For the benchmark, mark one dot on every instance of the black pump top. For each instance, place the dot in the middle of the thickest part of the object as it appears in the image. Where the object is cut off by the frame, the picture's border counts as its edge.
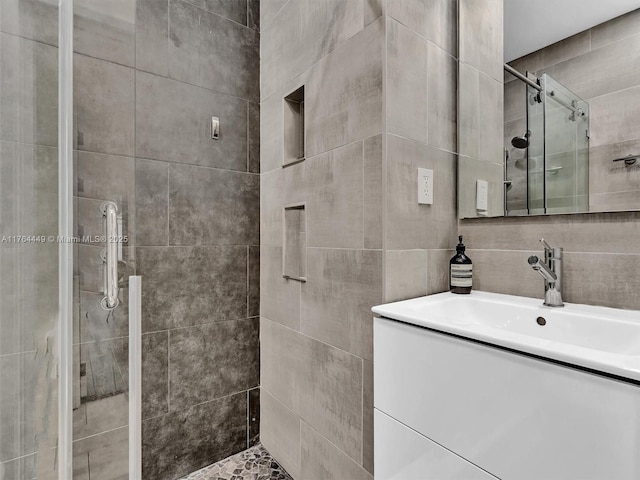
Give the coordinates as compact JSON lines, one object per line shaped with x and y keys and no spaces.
{"x":460,"y":247}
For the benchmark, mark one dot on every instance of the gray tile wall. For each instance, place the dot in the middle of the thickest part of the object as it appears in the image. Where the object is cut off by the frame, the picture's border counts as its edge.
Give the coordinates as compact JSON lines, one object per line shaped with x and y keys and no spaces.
{"x":368,"y":240}
{"x":601,"y":253}
{"x":601,"y":66}
{"x":198,"y":238}
{"x":316,"y":336}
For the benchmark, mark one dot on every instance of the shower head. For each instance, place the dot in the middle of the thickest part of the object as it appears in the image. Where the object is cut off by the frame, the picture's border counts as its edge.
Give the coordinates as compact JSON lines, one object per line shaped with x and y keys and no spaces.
{"x":521,"y":142}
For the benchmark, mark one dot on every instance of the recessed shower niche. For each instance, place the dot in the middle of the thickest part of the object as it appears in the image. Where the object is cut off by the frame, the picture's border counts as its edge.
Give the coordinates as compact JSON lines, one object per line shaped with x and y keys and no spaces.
{"x":294,"y":127}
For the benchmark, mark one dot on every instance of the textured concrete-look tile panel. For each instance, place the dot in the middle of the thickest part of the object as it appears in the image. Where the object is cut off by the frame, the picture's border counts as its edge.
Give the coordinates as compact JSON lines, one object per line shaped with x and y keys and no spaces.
{"x":212,"y":285}
{"x":373,"y":198}
{"x":367,"y":416}
{"x":589,"y":75}
{"x":405,"y":274}
{"x":105,"y":30}
{"x":279,"y":297}
{"x":410,"y":225}
{"x":211,"y":51}
{"x":105,"y":177}
{"x":407,"y":109}
{"x":232,"y":347}
{"x":342,"y":287}
{"x":320,"y":383}
{"x":155,"y":374}
{"x":438,"y":270}
{"x":212,"y":207}
{"x":615,"y":30}
{"x":19,"y":377}
{"x":253,"y":432}
{"x":180,"y":442}
{"x":344,"y":92}
{"x":481,"y":122}
{"x":280,"y":433}
{"x":306,"y":31}
{"x":173,"y":123}
{"x":279,"y":189}
{"x":481,"y":36}
{"x":152,"y":36}
{"x":442,"y":89}
{"x":576,"y":233}
{"x":253,"y":282}
{"x":236,"y":10}
{"x":152,"y":202}
{"x":436,"y":20}
{"x":254,"y":137}
{"x":614,"y":117}
{"x":104,"y":106}
{"x":335,"y":198}
{"x":321,"y":459}
{"x":490,"y":274}
{"x":31,"y":19}
{"x":29,"y":99}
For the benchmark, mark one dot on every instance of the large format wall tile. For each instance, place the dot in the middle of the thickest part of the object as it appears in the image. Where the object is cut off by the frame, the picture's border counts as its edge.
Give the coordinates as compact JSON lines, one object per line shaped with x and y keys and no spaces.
{"x":208,"y":50}
{"x":407,"y":110}
{"x":322,"y":384}
{"x":104,"y":106}
{"x":335,"y":198}
{"x":181,"y":442}
{"x":278,"y":189}
{"x":211,"y":207}
{"x":105,"y":30}
{"x":442,"y":89}
{"x":481,"y":39}
{"x":29,"y":98}
{"x":173,"y":123}
{"x":232,"y":347}
{"x":155,"y":374}
{"x":280,"y":433}
{"x":319,"y":458}
{"x":152,"y":36}
{"x":212,"y":285}
{"x":152,"y":202}
{"x":373,"y":198}
{"x":236,"y":10}
{"x":342,"y":287}
{"x":306,"y":31}
{"x":615,"y":30}
{"x":344,"y":92}
{"x":614,"y":117}
{"x":405,"y":274}
{"x":410,"y":225}
{"x":279,"y":296}
{"x":31,"y":19}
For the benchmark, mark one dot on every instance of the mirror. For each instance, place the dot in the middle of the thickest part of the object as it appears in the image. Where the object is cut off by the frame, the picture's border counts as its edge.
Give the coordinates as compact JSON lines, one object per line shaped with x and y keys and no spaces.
{"x":548,"y":107}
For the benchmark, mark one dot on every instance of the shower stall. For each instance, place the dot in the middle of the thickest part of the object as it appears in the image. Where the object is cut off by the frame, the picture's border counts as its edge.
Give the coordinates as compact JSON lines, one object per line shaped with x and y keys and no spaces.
{"x":547,"y":167}
{"x":116,"y":197}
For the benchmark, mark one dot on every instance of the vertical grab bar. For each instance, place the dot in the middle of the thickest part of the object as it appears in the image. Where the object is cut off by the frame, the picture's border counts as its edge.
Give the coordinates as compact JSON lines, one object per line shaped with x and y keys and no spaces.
{"x":110,"y":213}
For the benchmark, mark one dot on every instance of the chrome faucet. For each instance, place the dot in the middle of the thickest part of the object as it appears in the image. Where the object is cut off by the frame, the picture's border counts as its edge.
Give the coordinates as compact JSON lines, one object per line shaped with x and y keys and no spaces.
{"x":551,"y":271}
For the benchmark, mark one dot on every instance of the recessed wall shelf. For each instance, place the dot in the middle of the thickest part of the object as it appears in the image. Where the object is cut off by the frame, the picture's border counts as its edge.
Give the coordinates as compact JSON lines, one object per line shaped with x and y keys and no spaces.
{"x":294,"y":127}
{"x":295,"y":243}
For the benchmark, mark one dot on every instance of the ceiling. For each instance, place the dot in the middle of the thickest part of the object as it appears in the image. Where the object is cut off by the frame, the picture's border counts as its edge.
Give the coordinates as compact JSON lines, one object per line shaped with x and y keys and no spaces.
{"x":530,"y":25}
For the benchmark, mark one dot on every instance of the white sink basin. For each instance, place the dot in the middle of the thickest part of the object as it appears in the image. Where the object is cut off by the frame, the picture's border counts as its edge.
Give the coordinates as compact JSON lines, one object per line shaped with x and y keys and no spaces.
{"x":598,"y":338}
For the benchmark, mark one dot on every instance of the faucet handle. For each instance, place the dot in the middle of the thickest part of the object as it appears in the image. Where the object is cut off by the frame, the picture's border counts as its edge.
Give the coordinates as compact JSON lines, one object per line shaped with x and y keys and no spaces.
{"x":545,"y":244}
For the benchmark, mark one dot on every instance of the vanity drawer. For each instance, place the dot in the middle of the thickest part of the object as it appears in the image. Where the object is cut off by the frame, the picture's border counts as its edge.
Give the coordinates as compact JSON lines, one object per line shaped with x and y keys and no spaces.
{"x":512,"y":415}
{"x":403,"y":454}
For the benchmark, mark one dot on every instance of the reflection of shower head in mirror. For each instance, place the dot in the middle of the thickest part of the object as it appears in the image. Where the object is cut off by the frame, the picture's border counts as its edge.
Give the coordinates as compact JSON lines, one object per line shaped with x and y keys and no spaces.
{"x":521,"y":142}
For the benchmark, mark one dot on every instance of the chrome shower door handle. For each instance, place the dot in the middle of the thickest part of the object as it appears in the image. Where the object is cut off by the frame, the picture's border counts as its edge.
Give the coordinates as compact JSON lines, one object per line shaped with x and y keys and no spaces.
{"x":111,"y":254}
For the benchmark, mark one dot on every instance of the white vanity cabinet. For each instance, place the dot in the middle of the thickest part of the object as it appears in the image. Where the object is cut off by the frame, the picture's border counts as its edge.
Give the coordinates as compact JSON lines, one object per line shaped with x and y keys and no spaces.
{"x":450,"y":408}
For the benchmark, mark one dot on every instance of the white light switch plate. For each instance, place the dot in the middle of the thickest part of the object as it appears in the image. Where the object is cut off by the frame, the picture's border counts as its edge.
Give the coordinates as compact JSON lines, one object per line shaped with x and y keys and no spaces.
{"x":425,"y":186}
{"x":482,"y":194}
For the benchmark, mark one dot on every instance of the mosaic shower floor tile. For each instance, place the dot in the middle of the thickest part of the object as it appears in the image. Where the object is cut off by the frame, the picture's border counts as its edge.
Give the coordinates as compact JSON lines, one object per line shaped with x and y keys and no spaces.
{"x":255,"y":463}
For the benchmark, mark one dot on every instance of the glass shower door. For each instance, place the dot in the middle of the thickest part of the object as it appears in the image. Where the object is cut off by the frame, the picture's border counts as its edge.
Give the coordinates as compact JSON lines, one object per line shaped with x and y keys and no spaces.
{"x":29,"y":338}
{"x":566,"y":149}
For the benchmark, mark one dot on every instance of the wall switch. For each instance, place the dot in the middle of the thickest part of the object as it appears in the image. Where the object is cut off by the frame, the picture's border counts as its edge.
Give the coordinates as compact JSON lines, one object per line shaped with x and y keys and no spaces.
{"x":425,"y":186}
{"x":482,"y":195}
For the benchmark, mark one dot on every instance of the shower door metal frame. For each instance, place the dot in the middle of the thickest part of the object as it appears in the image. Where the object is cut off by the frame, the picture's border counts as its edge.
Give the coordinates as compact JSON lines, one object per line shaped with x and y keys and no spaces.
{"x":65,"y":234}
